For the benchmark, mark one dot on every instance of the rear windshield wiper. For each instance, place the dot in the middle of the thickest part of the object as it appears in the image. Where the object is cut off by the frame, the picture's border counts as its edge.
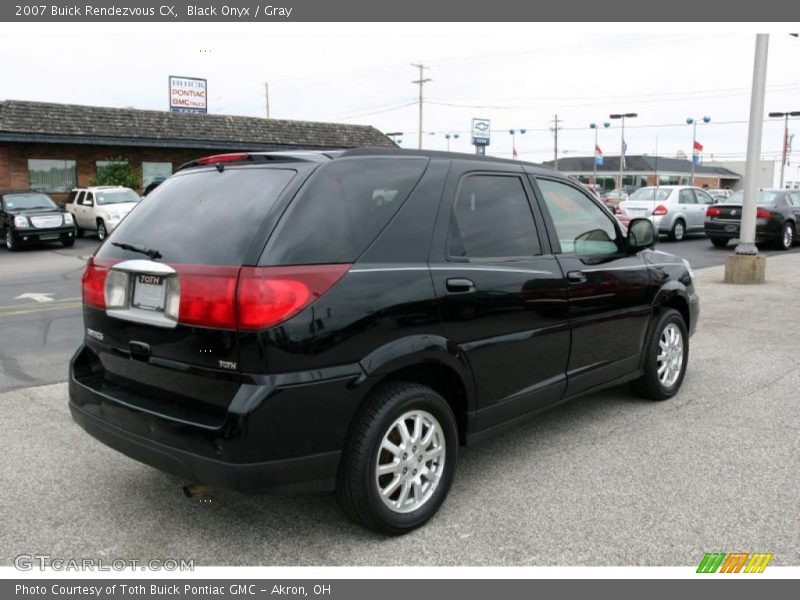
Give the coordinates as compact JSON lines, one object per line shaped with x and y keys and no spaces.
{"x":149,"y":252}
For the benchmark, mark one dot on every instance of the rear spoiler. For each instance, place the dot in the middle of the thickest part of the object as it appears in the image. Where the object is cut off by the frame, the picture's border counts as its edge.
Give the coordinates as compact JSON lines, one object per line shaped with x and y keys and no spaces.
{"x":299,"y":156}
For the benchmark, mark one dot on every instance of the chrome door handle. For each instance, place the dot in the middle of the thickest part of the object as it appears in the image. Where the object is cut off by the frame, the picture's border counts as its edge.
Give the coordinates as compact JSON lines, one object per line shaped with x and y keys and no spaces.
{"x":459,"y":285}
{"x":576,"y":277}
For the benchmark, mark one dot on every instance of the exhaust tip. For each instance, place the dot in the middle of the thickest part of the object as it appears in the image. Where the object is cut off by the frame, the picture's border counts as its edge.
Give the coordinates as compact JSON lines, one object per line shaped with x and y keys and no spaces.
{"x":197,"y":490}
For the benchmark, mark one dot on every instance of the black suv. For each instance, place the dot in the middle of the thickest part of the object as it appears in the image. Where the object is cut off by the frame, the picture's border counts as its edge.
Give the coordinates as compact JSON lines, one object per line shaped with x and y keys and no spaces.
{"x":346,"y":320}
{"x":29,"y":217}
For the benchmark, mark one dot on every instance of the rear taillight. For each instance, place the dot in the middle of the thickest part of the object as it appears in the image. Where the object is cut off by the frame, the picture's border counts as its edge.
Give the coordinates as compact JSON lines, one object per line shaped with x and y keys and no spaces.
{"x":93,"y":281}
{"x":763,"y":213}
{"x":222,"y":297}
{"x":659,"y":210}
{"x":207,"y":295}
{"x":617,"y":210}
{"x":270,"y":295}
{"x":712,"y":211}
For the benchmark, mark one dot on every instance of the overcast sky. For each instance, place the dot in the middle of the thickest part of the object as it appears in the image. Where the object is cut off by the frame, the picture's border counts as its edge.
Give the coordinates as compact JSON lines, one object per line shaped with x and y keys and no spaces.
{"x":517,"y":75}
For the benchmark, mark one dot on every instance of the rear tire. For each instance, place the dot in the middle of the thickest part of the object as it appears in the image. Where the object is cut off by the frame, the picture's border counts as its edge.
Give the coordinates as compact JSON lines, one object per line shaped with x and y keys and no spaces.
{"x":719,"y":242}
{"x":678,"y":231}
{"x":665,"y":358}
{"x":78,"y":232}
{"x":786,"y":238}
{"x":391,"y":478}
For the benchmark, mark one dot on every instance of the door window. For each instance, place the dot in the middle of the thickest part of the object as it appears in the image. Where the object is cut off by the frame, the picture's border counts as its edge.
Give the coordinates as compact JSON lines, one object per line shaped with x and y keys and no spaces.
{"x":703,"y":197}
{"x":88,"y":199}
{"x":687,"y":197}
{"x":583,"y":227}
{"x":491,"y":218}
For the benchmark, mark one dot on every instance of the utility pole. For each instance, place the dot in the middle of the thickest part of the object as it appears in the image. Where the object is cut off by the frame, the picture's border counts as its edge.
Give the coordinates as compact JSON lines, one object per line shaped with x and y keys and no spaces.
{"x":266,"y":97}
{"x":555,"y":123}
{"x":421,"y":82}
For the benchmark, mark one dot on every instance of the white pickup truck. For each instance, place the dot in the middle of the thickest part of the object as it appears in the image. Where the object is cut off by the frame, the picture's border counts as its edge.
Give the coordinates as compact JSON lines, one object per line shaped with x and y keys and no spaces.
{"x":100,"y":208}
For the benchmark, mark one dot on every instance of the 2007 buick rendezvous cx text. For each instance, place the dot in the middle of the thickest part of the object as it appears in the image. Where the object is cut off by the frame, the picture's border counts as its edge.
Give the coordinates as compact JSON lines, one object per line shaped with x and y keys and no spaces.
{"x":348,"y":319}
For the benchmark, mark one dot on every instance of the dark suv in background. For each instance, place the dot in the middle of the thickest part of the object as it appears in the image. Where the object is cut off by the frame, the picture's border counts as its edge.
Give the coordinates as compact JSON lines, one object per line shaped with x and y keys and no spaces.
{"x":346,"y":320}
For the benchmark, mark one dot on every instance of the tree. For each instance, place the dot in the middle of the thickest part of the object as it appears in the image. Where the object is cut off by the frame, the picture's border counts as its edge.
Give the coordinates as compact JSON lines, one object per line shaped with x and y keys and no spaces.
{"x":118,"y":171}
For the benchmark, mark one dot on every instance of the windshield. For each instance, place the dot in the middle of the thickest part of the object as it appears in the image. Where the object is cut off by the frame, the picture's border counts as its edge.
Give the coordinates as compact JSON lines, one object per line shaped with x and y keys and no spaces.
{"x":651,"y":193}
{"x":764,"y":197}
{"x":29,"y":201}
{"x":116,"y":196}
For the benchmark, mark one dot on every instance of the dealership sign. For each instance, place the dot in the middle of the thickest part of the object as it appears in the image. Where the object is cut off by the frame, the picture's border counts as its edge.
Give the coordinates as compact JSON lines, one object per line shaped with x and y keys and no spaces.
{"x":188,"y":94}
{"x":480,"y":132}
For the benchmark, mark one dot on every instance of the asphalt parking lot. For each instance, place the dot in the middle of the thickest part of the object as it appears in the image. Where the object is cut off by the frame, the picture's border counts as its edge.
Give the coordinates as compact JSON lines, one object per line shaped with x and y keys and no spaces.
{"x":607,"y":480}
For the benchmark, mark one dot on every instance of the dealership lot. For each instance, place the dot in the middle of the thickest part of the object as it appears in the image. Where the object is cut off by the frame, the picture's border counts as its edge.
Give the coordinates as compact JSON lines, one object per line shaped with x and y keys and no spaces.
{"x":607,"y":480}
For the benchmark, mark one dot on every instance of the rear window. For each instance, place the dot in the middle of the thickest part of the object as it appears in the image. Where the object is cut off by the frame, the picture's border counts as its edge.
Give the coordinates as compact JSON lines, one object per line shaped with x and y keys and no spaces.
{"x":342,"y":209}
{"x":204,"y":217}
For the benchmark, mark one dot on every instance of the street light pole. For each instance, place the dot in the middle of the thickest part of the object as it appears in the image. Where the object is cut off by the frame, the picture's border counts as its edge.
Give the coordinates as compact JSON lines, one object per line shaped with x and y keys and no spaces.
{"x":447,"y":136}
{"x":622,"y":116}
{"x":693,"y":122}
{"x":785,"y":115}
{"x":747,"y":236}
{"x":606,"y":124}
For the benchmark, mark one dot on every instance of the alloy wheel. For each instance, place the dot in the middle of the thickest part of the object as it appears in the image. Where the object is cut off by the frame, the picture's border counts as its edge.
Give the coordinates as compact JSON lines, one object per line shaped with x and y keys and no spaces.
{"x":410,"y":461}
{"x":670,"y":356}
{"x":679,"y":230}
{"x":788,"y":235}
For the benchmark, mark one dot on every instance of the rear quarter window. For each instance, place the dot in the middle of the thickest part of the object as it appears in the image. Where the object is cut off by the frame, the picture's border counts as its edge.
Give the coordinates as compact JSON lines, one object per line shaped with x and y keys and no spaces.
{"x":342,"y":209}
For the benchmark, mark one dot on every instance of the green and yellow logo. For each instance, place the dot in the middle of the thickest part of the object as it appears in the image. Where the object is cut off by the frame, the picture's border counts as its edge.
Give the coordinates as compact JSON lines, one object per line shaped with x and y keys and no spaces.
{"x":734,"y":562}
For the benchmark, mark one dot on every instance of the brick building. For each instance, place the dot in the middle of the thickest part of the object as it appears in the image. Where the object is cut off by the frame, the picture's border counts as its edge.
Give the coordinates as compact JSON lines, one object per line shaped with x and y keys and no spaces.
{"x":647,"y":170}
{"x":55,"y":147}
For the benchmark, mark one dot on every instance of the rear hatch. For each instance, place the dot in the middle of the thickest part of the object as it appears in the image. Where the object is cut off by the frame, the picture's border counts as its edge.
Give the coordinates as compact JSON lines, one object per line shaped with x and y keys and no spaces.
{"x":160,"y":295}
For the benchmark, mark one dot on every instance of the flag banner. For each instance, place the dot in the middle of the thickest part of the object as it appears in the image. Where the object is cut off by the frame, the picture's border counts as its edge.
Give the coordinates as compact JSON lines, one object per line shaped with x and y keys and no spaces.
{"x":696,"y":158}
{"x":624,"y":152}
{"x":514,"y":153}
{"x":598,"y":155}
{"x":698,"y":147}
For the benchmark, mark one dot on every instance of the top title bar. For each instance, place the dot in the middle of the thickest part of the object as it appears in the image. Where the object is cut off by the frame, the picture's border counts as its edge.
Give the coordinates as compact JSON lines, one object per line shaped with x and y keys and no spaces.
{"x":398,"y":10}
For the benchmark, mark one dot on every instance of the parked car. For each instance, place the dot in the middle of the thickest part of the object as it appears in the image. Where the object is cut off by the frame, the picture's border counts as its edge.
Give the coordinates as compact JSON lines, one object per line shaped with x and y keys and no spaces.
{"x":596,"y":189}
{"x":674,"y":209}
{"x":720,"y":195}
{"x":777,"y":215}
{"x":157,"y":181}
{"x":348,"y":319}
{"x":615,"y":196}
{"x":28,"y":217}
{"x":100,"y":208}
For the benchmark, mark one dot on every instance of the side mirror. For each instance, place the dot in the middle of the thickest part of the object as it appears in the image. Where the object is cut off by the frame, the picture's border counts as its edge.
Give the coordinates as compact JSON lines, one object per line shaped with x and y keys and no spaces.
{"x":641,"y":234}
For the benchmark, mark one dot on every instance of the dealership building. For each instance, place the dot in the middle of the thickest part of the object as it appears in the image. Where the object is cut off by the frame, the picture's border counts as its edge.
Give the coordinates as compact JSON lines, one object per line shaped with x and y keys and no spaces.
{"x":53,"y":148}
{"x":643,"y":170}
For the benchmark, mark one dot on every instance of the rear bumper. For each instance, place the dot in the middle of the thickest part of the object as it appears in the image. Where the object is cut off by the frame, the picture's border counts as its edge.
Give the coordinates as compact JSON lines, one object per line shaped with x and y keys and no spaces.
{"x":728,"y":230}
{"x":268,"y":440}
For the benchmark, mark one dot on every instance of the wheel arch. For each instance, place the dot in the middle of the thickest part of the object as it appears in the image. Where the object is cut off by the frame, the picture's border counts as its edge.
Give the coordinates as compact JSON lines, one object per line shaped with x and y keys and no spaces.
{"x":432,"y":361}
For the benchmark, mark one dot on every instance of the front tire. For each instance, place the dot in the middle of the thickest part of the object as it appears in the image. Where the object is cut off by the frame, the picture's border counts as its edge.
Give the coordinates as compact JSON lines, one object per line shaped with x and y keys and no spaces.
{"x":102,"y":232}
{"x":10,"y":240}
{"x":719,"y":242}
{"x":399,"y":459}
{"x":665,"y":358}
{"x":68,"y":241}
{"x":786,"y":239}
{"x":678,"y":231}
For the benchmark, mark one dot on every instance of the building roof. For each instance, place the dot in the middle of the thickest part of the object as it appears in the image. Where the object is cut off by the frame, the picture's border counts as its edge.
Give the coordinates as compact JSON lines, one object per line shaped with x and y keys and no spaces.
{"x":24,"y":121}
{"x":640,"y":164}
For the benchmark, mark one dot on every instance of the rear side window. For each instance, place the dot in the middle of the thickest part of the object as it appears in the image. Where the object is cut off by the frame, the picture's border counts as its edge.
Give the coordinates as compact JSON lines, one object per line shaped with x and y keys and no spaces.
{"x":491,"y":218}
{"x":203,"y":217}
{"x":342,"y":209}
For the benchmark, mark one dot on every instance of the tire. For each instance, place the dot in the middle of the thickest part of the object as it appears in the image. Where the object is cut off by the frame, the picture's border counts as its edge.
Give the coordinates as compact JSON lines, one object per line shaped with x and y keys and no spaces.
{"x":379,"y":420}
{"x":651,"y":385}
{"x":78,"y":232}
{"x":10,"y":241}
{"x":102,"y":232}
{"x":67,"y":241}
{"x":786,"y":238}
{"x":678,"y":231}
{"x":719,"y":242}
